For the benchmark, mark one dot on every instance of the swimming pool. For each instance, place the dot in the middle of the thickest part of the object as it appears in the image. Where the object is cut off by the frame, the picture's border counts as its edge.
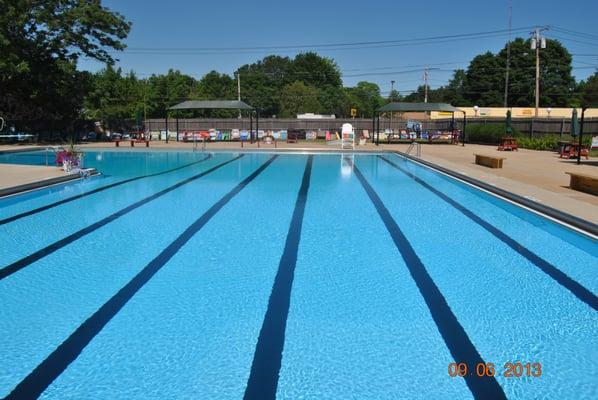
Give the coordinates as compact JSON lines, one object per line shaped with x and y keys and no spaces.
{"x":316,"y":276}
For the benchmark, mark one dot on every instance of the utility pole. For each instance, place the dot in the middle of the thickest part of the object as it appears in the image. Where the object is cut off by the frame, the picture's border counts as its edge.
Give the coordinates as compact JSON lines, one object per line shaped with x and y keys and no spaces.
{"x":506,"y":102}
{"x":239,"y":90}
{"x":537,"y":43}
{"x":426,"y":84}
{"x":392,"y":89}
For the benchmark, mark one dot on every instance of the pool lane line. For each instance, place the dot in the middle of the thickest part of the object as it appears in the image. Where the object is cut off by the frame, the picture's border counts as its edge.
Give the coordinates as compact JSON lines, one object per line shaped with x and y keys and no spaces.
{"x":454,"y":335}
{"x":578,"y":290}
{"x":25,"y":261}
{"x":38,"y":380}
{"x":267,"y":358}
{"x":100,"y":189}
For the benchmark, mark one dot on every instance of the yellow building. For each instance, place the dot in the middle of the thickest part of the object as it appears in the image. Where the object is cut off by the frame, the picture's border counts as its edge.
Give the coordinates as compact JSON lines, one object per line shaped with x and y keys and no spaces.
{"x":516,"y":112}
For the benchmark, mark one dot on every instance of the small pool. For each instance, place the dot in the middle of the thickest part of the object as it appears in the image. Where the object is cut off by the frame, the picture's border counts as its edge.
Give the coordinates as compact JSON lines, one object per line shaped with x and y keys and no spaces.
{"x":314,"y":276}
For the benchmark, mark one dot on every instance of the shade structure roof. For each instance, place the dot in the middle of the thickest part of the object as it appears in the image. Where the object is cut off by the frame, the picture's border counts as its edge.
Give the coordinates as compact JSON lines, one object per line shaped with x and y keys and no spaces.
{"x":415,"y":107}
{"x":203,"y":104}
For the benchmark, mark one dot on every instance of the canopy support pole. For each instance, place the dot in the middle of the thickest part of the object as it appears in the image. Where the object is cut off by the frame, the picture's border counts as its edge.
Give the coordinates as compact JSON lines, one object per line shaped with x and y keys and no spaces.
{"x":464,"y":125}
{"x":377,"y":129}
{"x":257,"y":124}
{"x":250,"y":124}
{"x":166,"y":126}
{"x":453,"y":124}
{"x":373,"y":125}
{"x":177,"y":128}
{"x":583,"y":111}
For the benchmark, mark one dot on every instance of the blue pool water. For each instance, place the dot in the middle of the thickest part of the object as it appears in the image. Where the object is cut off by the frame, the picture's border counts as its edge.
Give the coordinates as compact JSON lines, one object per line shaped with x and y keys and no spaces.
{"x":313,"y":276}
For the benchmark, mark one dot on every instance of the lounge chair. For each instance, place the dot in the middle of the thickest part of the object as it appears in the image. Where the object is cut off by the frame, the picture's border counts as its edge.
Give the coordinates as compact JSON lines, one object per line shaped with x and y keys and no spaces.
{"x":365,"y":136}
{"x":266,"y":139}
{"x":292,"y":136}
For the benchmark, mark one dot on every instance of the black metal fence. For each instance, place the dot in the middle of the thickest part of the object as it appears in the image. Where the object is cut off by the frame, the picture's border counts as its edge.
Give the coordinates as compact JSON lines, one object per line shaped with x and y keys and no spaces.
{"x":533,"y":126}
{"x":61,"y":131}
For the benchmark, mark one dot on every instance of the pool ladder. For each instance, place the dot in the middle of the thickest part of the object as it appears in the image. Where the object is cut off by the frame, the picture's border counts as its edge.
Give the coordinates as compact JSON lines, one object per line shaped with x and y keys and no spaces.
{"x":203,"y":145}
{"x":418,"y":149}
{"x":54,"y":149}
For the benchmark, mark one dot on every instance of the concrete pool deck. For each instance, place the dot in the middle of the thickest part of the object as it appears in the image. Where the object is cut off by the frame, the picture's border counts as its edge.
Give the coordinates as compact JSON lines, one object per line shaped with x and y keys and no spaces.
{"x":537,"y":175}
{"x":26,"y":177}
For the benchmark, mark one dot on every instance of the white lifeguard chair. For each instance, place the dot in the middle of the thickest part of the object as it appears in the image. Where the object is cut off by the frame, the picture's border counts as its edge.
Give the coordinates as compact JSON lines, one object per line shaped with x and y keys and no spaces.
{"x":347,"y":136}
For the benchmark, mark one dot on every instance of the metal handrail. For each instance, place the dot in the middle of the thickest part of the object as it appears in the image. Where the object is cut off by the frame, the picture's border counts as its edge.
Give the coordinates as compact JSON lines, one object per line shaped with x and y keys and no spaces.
{"x":417,"y":146}
{"x":2,"y":123}
{"x":54,"y":150}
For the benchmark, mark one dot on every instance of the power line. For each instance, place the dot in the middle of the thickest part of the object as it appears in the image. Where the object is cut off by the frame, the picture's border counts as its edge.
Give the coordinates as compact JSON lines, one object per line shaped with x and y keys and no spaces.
{"x":574,"y":40}
{"x":321,"y":45}
{"x":574,"y":33}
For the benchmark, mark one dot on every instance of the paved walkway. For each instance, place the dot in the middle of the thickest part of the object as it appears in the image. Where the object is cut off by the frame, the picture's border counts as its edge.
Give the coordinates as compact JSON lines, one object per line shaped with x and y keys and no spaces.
{"x":537,"y":175}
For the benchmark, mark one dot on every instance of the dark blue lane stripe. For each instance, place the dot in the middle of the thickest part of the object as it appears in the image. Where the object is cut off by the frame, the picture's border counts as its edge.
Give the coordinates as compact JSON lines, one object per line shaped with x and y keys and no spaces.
{"x":455,"y":337}
{"x":265,"y":369}
{"x":100,"y":189}
{"x":23,"y":262}
{"x":45,"y":373}
{"x":559,"y":276}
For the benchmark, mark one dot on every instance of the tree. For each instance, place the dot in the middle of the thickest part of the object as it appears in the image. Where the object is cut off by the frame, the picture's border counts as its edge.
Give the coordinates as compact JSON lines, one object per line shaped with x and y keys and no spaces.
{"x":299,"y":98}
{"x":454,"y":92}
{"x":484,"y":81}
{"x":366,"y":98}
{"x":215,"y":86}
{"x":315,"y":70}
{"x":262,"y":83}
{"x":394,"y":96}
{"x":113,"y":97}
{"x":589,"y":91}
{"x":40,"y":43}
{"x":556,"y":81}
{"x":164,"y":91}
{"x":334,"y":100}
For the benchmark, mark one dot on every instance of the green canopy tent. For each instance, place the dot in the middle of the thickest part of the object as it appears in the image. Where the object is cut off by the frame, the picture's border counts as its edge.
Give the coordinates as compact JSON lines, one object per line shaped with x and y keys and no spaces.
{"x":417,"y":107}
{"x":508,"y":124}
{"x":574,"y":123}
{"x":214,"y":104}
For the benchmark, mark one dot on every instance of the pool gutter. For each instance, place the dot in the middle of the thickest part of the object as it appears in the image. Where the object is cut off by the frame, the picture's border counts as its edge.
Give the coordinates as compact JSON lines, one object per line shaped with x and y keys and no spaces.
{"x":27,"y":187}
{"x":561,"y":217}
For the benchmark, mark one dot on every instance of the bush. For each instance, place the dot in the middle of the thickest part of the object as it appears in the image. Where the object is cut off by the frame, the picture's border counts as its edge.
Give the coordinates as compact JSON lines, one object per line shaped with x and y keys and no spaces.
{"x":487,"y":133}
{"x":540,"y":143}
{"x":549,"y":142}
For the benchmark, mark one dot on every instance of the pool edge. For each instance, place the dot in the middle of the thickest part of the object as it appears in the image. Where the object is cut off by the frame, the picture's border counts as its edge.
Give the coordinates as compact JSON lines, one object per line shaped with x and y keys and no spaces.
{"x":31,"y":186}
{"x":554,"y":214}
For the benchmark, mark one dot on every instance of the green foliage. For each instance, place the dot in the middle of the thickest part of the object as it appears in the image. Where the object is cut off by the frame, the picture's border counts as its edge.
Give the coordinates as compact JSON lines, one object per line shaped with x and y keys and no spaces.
{"x":589,"y":91}
{"x":316,"y":70}
{"x":487,"y":133}
{"x":483,"y":83}
{"x":539,"y":143}
{"x":484,"y":80}
{"x":298,"y":98}
{"x":40,"y":42}
{"x":555,"y":74}
{"x":113,"y":97}
{"x":365,"y":97}
{"x":550,"y":142}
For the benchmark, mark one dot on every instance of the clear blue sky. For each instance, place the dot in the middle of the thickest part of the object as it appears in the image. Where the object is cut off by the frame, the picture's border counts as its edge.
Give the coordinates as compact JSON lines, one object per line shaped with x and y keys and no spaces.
{"x":224,"y":24}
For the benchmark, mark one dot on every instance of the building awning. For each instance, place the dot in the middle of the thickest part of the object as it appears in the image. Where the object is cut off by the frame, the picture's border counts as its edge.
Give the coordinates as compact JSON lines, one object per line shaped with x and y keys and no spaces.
{"x":205,"y":104}
{"x":418,"y":107}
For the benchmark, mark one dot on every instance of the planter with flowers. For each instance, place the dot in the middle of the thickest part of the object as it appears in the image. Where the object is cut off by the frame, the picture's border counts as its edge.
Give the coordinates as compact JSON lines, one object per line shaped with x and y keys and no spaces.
{"x":70,"y":159}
